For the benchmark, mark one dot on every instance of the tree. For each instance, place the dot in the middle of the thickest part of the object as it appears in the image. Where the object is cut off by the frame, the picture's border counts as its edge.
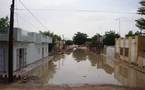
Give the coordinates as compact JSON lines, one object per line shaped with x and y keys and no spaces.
{"x":141,"y":10}
{"x":4,"y":24}
{"x":95,"y":40}
{"x":140,"y":23}
{"x":137,"y":33}
{"x":55,"y":37}
{"x":109,"y":38}
{"x":69,"y":42}
{"x":80,"y":38}
{"x":46,"y":33}
{"x":130,"y":33}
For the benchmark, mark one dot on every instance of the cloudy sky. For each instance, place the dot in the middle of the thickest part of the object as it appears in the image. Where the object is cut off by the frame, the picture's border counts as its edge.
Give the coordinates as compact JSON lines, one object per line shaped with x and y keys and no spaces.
{"x":66,"y":17}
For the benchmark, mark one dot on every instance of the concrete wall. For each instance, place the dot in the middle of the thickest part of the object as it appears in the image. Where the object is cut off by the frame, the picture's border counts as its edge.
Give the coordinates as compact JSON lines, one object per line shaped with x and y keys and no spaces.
{"x":25,"y":36}
{"x":4,"y":58}
{"x":3,"y":36}
{"x":123,"y":43}
{"x":117,"y":46}
{"x":133,"y":50}
{"x":136,"y":46}
{"x":110,"y":55}
{"x":141,"y":51}
{"x":33,"y":52}
{"x":110,"y":52}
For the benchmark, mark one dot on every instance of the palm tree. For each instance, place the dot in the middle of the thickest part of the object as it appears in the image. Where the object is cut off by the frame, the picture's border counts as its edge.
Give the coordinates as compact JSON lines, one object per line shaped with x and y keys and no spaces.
{"x":140,"y":23}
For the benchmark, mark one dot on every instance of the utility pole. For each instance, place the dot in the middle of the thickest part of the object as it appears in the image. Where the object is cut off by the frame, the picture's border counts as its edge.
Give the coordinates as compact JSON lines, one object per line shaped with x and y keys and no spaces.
{"x":119,"y":25}
{"x":119,"y":29}
{"x":10,"y":43}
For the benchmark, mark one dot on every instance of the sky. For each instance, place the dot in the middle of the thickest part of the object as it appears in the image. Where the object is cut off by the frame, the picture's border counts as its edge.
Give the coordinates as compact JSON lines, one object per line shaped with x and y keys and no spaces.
{"x":66,"y":17}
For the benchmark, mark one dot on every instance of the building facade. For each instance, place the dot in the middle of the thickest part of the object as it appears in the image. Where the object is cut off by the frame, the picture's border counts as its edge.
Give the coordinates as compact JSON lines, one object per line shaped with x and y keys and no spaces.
{"x":131,"y":50}
{"x":28,"y":48}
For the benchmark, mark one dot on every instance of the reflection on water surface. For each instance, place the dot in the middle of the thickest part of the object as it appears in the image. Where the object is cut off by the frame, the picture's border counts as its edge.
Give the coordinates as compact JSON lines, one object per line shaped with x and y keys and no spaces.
{"x":83,"y":67}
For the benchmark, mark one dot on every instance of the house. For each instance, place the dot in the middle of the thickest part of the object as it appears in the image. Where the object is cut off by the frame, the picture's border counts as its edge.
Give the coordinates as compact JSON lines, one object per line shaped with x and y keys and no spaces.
{"x":28,"y":48}
{"x":131,"y":50}
{"x":60,"y":45}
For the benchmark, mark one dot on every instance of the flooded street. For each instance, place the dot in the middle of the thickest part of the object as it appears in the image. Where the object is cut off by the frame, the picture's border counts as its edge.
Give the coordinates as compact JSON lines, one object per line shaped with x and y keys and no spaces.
{"x":81,"y":67}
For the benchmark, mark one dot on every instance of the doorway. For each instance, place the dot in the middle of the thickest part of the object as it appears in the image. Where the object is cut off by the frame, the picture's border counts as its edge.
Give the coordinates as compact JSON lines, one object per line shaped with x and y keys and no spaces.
{"x":2,"y":60}
{"x":21,"y":58}
{"x":42,"y":52}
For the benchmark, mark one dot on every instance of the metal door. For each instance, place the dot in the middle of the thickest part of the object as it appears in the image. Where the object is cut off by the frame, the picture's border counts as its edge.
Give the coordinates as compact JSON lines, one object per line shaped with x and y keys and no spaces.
{"x":2,"y":63}
{"x":21,"y":58}
{"x":42,"y":52}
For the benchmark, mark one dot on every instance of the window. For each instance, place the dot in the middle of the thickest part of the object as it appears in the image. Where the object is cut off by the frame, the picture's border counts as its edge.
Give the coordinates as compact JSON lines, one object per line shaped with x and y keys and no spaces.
{"x":143,"y":53}
{"x":42,"y":52}
{"x":121,"y":51}
{"x":45,"y":50}
{"x":126,"y":52}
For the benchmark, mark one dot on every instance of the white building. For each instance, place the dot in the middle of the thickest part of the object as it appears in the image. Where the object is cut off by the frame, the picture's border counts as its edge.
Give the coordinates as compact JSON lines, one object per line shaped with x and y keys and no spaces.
{"x":29,"y":47}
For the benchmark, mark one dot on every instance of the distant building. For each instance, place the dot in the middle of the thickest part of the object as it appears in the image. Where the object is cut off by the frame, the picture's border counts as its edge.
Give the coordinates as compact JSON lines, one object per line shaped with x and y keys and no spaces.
{"x":60,"y":45}
{"x":99,"y":42}
{"x":131,"y":50}
{"x":29,"y":47}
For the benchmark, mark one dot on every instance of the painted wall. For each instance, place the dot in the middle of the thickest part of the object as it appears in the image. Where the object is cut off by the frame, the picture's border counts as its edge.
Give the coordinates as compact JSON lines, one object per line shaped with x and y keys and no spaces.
{"x":126,"y":43}
{"x":136,"y":46}
{"x":24,"y":36}
{"x":141,"y":51}
{"x":33,"y":52}
{"x":110,"y":52}
{"x":36,"y":46}
{"x":3,"y":57}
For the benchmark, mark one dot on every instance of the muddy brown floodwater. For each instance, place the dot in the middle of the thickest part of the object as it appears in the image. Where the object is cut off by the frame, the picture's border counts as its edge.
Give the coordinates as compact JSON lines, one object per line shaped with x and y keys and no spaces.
{"x":81,"y":67}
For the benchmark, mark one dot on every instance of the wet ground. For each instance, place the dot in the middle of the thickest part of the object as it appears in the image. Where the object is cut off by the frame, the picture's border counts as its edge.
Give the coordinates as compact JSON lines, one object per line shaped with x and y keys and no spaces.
{"x":87,"y":87}
{"x":82,"y":68}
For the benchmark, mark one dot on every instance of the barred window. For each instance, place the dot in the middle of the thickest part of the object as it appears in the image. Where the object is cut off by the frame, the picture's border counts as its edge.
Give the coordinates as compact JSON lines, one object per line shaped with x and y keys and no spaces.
{"x":121,"y":51}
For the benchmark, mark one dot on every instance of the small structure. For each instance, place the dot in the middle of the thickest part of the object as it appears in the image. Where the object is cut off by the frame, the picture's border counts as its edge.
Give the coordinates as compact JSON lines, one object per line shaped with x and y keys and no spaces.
{"x":29,"y":47}
{"x":60,"y":45}
{"x":131,"y":50}
{"x":99,"y":42}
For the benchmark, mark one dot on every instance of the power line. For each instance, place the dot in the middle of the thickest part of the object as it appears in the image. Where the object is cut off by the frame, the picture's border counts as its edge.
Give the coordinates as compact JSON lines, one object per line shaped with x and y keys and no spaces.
{"x":33,"y":15}
{"x":79,"y":10}
{"x":18,"y":16}
{"x":33,"y":26}
{"x":17,"y":19}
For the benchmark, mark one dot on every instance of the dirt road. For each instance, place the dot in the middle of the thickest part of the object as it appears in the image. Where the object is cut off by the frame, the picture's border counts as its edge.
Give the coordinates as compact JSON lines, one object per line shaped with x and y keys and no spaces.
{"x":86,"y":87}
